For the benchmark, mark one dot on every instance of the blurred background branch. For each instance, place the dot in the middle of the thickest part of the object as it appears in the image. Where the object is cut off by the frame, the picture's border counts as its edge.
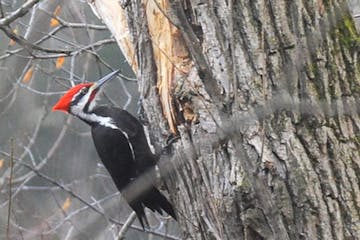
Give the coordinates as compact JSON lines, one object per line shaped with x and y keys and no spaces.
{"x":58,"y":188}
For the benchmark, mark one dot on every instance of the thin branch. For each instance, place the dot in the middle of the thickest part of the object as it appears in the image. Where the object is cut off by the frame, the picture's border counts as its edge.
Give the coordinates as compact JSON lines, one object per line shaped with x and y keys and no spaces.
{"x":68,"y":235}
{"x":40,"y":92}
{"x":10,"y":187}
{"x":63,"y":24}
{"x":46,"y":36}
{"x":34,"y":46}
{"x":99,"y":43}
{"x":28,"y":45}
{"x":1,"y":10}
{"x":4,"y":26}
{"x":24,"y":9}
{"x":70,"y":192}
{"x":78,"y":211}
{"x":126,"y":226}
{"x":77,"y":25}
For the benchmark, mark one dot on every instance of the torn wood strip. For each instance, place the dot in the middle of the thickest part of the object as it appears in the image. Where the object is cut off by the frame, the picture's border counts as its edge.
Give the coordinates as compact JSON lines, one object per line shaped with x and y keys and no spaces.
{"x":114,"y":16}
{"x":171,"y":56}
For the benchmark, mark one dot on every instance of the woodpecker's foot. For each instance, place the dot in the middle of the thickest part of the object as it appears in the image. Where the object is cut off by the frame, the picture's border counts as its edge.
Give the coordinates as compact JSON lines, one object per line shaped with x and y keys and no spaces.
{"x":169,"y":141}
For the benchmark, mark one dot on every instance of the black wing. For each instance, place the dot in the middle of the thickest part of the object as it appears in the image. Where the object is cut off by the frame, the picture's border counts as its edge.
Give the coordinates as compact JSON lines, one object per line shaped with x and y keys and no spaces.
{"x":115,"y":153}
{"x":126,"y":155}
{"x":133,"y":130}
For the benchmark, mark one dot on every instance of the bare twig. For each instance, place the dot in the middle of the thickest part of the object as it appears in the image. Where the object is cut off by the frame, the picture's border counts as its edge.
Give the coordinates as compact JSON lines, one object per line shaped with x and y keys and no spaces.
{"x":99,"y":43}
{"x":10,"y":186}
{"x":70,"y":192}
{"x":126,"y":226}
{"x":28,"y":45}
{"x":65,"y":23}
{"x":1,"y":10}
{"x":21,"y":11}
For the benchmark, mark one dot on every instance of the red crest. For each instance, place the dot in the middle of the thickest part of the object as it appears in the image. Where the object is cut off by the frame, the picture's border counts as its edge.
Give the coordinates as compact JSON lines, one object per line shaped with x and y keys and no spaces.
{"x":64,"y":102}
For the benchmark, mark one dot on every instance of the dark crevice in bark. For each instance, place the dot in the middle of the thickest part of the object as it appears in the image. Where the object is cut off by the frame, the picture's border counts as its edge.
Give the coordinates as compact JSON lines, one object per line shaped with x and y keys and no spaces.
{"x":356,"y":169}
{"x":344,"y":210}
{"x":243,"y":36}
{"x":193,"y":44}
{"x":226,"y":154}
{"x":352,"y":192}
{"x":324,"y":196}
{"x":191,"y":16}
{"x":256,"y":17}
{"x":310,"y":10}
{"x":280,"y":35}
{"x":295,"y":221}
{"x":222,"y":32}
{"x":293,"y":18}
{"x":269,"y":66}
{"x":314,"y":169}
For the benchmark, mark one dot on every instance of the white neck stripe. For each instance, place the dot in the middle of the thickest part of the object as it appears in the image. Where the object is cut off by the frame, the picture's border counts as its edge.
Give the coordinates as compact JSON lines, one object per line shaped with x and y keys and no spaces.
{"x":106,"y":122}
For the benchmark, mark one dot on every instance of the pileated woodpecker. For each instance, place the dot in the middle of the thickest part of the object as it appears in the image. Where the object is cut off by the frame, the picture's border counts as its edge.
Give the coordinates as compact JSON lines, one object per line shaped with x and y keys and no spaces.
{"x":120,"y":142}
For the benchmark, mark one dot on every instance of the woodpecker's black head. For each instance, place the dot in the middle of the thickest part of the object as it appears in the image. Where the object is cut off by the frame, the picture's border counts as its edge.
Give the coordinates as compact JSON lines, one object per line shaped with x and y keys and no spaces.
{"x":81,"y":98}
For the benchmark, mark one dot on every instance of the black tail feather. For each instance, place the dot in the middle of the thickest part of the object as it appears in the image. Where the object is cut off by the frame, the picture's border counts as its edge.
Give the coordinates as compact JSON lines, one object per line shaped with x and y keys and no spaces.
{"x":140,"y":213}
{"x":154,"y":200}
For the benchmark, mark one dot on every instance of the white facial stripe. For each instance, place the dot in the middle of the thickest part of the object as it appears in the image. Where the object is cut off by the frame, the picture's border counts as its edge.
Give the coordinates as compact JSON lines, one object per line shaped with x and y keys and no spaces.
{"x":78,"y":108}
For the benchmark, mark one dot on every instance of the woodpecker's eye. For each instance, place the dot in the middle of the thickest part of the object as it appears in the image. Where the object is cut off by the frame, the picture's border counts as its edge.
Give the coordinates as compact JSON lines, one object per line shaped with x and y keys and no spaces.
{"x":84,"y":90}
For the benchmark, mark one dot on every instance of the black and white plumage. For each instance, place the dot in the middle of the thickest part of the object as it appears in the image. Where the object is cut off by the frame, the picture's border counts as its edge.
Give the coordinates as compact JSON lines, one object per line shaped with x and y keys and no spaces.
{"x":120,"y":142}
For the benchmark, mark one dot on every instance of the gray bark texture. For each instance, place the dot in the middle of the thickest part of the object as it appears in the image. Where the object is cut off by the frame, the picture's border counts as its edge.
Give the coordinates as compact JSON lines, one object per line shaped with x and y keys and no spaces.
{"x":267,"y":119}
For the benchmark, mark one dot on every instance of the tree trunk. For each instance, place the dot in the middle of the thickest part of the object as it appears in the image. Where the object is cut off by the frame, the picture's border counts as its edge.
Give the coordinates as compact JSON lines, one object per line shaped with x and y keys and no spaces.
{"x":264,"y":96}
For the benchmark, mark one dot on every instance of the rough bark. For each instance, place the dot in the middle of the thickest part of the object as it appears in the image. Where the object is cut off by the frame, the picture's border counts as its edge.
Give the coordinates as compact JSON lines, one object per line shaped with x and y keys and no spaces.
{"x":264,"y":96}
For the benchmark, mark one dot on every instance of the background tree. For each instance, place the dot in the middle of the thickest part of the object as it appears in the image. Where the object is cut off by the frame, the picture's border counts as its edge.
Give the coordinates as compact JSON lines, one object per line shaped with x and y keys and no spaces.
{"x":261,"y":96}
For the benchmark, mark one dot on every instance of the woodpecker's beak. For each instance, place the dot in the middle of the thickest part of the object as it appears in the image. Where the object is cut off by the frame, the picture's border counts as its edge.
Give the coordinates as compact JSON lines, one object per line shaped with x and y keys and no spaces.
{"x":97,"y":85}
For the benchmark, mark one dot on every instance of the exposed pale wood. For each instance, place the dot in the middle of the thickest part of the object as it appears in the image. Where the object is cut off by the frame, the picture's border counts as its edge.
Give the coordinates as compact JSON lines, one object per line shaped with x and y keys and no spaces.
{"x":115,"y":18}
{"x":170,"y":55}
